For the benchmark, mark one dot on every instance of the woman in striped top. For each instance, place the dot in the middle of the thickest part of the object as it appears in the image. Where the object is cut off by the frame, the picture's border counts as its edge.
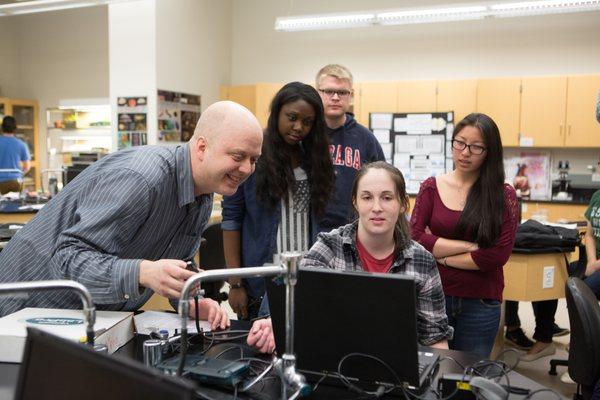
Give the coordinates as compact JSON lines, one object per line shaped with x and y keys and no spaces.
{"x":276,"y":209}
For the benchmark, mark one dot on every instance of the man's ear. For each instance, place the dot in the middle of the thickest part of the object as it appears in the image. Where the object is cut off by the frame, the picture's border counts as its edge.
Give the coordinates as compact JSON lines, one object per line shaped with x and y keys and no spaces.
{"x":200,"y":147}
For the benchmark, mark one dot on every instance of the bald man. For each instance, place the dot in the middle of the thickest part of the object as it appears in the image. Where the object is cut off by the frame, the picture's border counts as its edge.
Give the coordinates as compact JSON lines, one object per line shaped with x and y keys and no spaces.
{"x":124,"y":226}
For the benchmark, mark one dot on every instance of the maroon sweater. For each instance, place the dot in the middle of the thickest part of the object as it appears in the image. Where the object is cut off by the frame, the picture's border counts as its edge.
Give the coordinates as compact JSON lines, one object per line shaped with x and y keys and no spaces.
{"x":488,"y":282}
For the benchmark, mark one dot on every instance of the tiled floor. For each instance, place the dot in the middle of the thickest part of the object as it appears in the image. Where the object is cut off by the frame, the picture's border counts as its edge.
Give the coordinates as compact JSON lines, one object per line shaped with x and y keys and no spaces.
{"x":538,"y":370}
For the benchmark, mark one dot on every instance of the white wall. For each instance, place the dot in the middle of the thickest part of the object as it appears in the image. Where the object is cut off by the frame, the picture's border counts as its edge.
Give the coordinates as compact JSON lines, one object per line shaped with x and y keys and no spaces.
{"x":193,"y":42}
{"x":62,"y":55}
{"x":132,"y":55}
{"x":545,"y":45}
{"x":9,"y":58}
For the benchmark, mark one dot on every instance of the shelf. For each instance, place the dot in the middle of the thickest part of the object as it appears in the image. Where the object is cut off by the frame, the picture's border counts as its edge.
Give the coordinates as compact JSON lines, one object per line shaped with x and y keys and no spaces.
{"x":24,"y":126}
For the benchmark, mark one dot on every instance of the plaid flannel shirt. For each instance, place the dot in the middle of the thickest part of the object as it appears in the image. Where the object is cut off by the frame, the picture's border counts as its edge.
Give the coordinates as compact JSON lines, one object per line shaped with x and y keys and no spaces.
{"x":337,"y":250}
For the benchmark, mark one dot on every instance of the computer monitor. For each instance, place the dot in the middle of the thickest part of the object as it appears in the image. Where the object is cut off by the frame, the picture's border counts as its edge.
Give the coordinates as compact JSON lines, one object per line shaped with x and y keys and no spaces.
{"x":342,"y":312}
{"x":54,"y":367}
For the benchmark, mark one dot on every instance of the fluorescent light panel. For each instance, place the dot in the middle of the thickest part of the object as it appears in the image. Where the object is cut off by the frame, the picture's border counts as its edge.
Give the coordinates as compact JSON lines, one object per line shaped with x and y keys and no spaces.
{"x":332,"y":21}
{"x":38,"y":6}
{"x":428,"y":15}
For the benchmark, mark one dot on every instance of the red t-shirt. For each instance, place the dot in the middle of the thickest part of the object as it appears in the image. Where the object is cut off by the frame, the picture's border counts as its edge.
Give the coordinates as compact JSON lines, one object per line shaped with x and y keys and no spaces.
{"x":488,"y":282}
{"x":370,"y":263}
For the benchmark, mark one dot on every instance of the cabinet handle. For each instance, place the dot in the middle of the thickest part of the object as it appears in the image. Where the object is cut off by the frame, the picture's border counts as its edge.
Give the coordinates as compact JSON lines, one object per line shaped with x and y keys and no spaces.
{"x":569,"y":131}
{"x":560,"y":130}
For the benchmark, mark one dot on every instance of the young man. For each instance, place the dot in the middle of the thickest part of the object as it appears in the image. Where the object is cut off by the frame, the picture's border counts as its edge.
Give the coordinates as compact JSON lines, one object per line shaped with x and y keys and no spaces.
{"x":352,"y":145}
{"x":14,"y":157}
{"x":124,"y":226}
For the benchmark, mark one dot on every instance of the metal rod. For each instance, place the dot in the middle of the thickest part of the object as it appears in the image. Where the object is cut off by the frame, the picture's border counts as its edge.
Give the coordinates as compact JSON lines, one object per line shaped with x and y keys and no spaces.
{"x":291,"y":261}
{"x":89,"y":310}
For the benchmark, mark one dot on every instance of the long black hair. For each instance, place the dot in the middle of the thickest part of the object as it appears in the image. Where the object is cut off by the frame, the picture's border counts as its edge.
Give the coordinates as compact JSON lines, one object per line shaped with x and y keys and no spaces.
{"x":482,"y":214}
{"x":274,"y":173}
{"x":401,"y":228}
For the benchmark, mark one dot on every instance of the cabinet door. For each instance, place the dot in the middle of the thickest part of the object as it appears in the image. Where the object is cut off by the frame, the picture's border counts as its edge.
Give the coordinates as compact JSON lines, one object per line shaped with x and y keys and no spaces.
{"x":244,"y":95}
{"x":416,"y":96}
{"x":501,"y":100}
{"x":264,"y":95}
{"x":459,"y":96}
{"x":377,"y":97}
{"x":583,"y":130}
{"x":543,"y":110}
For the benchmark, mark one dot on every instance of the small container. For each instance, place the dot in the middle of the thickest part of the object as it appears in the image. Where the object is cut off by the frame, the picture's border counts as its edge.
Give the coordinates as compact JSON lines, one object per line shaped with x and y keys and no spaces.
{"x":152,"y":352}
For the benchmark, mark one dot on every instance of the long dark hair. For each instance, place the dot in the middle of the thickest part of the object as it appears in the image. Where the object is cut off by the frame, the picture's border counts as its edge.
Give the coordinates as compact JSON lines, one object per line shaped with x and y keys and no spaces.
{"x":401,"y":229}
{"x":274,"y":173}
{"x":482,"y":214}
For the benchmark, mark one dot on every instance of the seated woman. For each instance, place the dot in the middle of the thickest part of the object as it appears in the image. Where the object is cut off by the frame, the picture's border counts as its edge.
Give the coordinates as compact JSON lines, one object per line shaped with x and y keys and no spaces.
{"x":592,"y":244}
{"x":379,"y":241}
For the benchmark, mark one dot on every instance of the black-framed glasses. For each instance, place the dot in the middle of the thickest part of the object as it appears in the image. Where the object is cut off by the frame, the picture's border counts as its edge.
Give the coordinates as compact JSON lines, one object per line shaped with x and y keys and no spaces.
{"x":473,"y":148}
{"x":342,"y":93}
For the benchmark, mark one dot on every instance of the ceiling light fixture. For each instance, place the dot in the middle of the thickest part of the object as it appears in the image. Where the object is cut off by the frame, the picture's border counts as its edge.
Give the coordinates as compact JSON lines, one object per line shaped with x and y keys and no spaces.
{"x":38,"y":6}
{"x":324,"y":21}
{"x":459,"y":12}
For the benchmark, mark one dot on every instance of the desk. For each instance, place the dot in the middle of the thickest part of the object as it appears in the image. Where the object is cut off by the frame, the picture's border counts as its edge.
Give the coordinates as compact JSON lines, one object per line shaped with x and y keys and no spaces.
{"x":10,"y":212}
{"x":535,"y":277}
{"x":133,"y":349}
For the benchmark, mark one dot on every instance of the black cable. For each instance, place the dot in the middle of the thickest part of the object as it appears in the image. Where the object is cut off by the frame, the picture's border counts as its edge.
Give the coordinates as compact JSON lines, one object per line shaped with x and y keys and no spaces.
{"x":357,"y":389}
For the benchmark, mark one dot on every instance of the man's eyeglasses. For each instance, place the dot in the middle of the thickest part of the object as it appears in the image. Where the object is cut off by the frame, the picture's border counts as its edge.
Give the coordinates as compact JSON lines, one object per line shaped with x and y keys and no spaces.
{"x":342,"y":94}
{"x":473,"y":148}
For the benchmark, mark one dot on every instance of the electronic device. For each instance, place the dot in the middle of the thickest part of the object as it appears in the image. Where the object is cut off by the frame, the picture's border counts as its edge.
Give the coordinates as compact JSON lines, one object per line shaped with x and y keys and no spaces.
{"x":215,"y":371}
{"x":53,"y":367}
{"x":342,"y":312}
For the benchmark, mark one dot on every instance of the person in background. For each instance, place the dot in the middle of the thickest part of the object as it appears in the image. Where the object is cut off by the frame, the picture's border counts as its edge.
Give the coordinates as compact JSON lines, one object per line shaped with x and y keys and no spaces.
{"x":468,"y":220}
{"x":378,"y":241}
{"x":14,"y":157}
{"x":278,"y":208}
{"x":123,"y":226}
{"x":352,"y":145}
{"x":592,"y":244}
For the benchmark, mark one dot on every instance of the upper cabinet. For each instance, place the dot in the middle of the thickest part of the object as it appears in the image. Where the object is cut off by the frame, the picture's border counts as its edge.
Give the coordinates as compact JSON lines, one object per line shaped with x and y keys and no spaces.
{"x":376,"y":97}
{"x":416,"y":96}
{"x":583,"y":130}
{"x":501,"y":100}
{"x":25,"y":113}
{"x":256,"y":98}
{"x":459,"y":96}
{"x":543,"y":110}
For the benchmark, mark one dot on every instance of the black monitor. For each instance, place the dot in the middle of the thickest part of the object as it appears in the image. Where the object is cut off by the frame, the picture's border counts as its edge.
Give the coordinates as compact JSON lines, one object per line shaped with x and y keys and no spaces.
{"x":54,"y":367}
{"x":338,"y":313}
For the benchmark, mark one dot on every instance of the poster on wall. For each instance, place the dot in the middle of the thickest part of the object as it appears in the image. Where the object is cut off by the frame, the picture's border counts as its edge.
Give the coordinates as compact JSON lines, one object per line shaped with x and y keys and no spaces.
{"x":132,"y":126}
{"x":529,"y":172}
{"x":415,"y":143}
{"x":178,"y":114}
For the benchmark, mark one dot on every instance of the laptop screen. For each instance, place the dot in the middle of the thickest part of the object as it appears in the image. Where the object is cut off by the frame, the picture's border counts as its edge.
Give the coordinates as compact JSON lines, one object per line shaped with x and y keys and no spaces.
{"x":53,"y":367}
{"x":340,"y":312}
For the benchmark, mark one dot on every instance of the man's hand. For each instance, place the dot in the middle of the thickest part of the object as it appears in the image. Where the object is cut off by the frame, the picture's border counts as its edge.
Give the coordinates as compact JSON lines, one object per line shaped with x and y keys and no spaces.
{"x":165,"y":277}
{"x":238,"y":300}
{"x":212,"y":312}
{"x":261,"y":336}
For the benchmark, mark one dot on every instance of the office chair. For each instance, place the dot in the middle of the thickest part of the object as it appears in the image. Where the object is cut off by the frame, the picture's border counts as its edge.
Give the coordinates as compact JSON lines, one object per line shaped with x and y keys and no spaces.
{"x":584,"y":351}
{"x":212,"y":257}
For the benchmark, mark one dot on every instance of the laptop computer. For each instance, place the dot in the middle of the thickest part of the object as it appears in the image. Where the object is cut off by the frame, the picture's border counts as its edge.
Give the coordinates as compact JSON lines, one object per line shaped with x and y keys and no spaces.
{"x":54,"y":367}
{"x":339,"y":312}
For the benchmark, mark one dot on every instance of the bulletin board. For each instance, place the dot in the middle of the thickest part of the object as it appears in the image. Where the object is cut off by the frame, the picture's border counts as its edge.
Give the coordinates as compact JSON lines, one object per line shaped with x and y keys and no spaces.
{"x":418,"y":144}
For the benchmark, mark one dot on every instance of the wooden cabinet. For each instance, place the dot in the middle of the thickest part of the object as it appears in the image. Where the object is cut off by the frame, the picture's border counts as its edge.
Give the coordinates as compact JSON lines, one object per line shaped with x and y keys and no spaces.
{"x":582,"y":128}
{"x":376,"y":97}
{"x":26,"y":114}
{"x":416,"y":96}
{"x":501,"y":100}
{"x":543,"y":110}
{"x":554,"y":211}
{"x":257,"y":98}
{"x":459,"y":96}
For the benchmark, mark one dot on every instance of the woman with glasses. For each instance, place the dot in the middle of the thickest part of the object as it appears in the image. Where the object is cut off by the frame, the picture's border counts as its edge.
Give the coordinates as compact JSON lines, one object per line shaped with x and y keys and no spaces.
{"x":468,"y":220}
{"x":276,"y":209}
